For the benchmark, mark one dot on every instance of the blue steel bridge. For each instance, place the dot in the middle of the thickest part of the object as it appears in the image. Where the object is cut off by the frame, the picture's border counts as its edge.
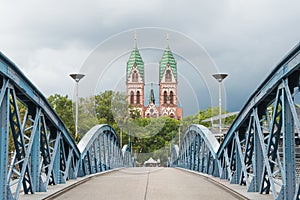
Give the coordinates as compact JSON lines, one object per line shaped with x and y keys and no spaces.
{"x":260,"y":151}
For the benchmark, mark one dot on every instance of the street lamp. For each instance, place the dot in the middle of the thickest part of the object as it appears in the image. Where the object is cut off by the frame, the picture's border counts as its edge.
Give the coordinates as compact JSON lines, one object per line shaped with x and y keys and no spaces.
{"x":220,"y":77}
{"x":180,"y":125}
{"x":129,"y":146}
{"x":121,"y":127}
{"x":77,"y":78}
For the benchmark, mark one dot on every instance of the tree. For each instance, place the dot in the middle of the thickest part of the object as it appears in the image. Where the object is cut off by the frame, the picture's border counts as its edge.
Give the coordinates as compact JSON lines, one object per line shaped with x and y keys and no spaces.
{"x":63,"y":107}
{"x":103,"y":107}
{"x":86,"y":116}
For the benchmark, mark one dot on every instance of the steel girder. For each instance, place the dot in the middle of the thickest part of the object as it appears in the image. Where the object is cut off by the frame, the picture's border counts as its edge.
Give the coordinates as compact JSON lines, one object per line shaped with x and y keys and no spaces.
{"x":36,"y":149}
{"x":100,"y":150}
{"x":127,"y":157}
{"x":173,"y":159}
{"x":259,"y":148}
{"x":198,"y":151}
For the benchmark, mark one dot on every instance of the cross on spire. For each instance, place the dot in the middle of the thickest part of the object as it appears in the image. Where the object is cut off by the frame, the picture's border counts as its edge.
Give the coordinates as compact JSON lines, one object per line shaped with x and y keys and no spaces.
{"x":134,"y":37}
{"x":167,"y":39}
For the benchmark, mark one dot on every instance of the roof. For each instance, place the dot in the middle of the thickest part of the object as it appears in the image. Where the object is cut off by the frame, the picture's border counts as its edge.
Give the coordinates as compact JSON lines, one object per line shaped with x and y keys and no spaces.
{"x":167,"y":58}
{"x":135,"y":58}
{"x":151,"y":160}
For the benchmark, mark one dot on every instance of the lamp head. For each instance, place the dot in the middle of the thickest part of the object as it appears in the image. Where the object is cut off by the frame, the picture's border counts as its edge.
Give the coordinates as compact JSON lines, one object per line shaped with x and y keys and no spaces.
{"x":220,"y":77}
{"x":77,"y":77}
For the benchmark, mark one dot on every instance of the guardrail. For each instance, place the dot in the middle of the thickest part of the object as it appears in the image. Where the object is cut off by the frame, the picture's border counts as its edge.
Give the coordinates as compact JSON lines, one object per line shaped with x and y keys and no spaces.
{"x":36,"y":149}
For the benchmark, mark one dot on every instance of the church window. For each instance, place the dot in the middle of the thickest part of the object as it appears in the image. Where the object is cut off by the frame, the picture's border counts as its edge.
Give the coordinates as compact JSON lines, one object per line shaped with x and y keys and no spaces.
{"x":165,"y":97}
{"x":172,"y":115}
{"x":171,"y":97}
{"x":168,"y":76}
{"x":135,"y":76}
{"x":138,"y":97}
{"x":131,"y":97}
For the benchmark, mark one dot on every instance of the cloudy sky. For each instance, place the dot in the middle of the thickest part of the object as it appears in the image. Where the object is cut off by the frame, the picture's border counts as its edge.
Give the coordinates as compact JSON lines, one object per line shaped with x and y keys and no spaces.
{"x":48,"y":40}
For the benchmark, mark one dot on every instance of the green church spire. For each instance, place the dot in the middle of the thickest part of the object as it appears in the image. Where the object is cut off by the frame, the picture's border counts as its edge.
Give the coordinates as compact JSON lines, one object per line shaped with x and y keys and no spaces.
{"x":167,"y":58}
{"x":135,"y":59}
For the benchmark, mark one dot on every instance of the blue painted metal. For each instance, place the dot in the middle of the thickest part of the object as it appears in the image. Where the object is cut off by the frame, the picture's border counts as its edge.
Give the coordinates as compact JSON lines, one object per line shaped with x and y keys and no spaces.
{"x":259,"y":148}
{"x":36,"y":150}
{"x":45,"y":153}
{"x":267,"y":122}
{"x":97,"y":150}
{"x":197,"y":151}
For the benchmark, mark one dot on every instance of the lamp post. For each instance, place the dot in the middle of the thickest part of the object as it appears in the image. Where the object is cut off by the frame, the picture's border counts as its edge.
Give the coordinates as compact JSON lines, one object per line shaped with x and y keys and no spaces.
{"x":77,"y":78}
{"x":179,"y":133}
{"x":121,"y":126}
{"x":220,"y":77}
{"x":129,"y":141}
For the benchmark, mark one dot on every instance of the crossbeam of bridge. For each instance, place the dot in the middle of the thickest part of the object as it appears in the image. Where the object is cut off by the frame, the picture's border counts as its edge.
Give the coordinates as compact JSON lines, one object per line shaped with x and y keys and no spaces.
{"x":259,"y":150}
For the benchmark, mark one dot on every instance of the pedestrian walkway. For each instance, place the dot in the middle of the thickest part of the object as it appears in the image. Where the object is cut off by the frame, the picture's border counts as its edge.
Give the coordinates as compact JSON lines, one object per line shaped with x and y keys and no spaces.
{"x":148,"y":184}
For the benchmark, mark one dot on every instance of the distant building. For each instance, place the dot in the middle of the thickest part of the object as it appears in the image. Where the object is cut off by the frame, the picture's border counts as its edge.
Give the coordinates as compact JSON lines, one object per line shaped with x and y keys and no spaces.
{"x":168,"y":82}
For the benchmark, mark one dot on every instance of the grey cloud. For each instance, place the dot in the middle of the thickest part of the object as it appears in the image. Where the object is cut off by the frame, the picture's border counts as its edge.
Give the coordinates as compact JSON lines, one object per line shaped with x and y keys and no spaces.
{"x":55,"y":37}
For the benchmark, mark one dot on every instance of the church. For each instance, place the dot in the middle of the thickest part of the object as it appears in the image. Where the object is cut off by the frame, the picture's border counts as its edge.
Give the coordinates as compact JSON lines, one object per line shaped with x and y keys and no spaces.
{"x":168,"y":82}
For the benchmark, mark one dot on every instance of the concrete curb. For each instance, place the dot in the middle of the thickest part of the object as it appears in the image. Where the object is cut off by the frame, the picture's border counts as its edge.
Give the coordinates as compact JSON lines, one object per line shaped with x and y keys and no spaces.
{"x":220,"y":185}
{"x":70,"y":187}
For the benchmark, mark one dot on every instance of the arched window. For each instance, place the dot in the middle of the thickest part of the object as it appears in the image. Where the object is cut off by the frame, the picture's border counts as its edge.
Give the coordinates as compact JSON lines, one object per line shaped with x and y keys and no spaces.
{"x":165,"y":97}
{"x":168,"y":76}
{"x":138,"y":96}
{"x":135,"y":76}
{"x":171,"y":97}
{"x":131,"y":97}
{"x":172,"y":115}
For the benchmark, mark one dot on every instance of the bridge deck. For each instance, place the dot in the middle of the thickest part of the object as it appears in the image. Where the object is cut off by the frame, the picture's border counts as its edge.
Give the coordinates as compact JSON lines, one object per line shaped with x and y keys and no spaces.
{"x":148,"y":183}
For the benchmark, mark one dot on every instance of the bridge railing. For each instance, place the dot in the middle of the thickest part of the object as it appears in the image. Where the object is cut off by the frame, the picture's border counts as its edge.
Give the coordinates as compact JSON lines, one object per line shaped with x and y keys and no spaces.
{"x":259,"y":150}
{"x":100,"y":150}
{"x":198,"y":151}
{"x":268,"y":123}
{"x":36,"y":149}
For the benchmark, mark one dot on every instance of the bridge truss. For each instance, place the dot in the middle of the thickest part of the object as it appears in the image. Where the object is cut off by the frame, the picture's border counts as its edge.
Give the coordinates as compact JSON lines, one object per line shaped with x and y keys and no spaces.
{"x":100,"y":151}
{"x":36,"y":149}
{"x":260,"y":148}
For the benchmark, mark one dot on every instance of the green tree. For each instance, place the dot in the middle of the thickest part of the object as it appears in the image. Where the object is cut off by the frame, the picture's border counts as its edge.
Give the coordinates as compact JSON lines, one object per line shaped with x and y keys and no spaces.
{"x":63,"y":107}
{"x":86,"y":116}
{"x":103,"y":109}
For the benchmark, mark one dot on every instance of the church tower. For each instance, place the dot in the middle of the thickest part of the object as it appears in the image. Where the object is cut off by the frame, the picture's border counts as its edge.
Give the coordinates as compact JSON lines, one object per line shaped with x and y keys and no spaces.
{"x":168,"y":85}
{"x":135,"y":80}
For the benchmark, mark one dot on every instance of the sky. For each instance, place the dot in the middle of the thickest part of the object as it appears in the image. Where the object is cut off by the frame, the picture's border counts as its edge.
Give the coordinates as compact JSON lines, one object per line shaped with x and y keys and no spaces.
{"x":48,"y":40}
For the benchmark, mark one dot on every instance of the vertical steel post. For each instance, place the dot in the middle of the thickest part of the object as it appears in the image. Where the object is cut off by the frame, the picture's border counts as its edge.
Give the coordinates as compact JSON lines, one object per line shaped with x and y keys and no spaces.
{"x":289,"y":164}
{"x":4,"y":122}
{"x":35,"y":153}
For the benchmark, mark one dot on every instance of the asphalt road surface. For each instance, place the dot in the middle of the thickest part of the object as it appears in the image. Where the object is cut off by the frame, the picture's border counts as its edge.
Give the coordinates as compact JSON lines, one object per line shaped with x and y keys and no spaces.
{"x":148,"y":184}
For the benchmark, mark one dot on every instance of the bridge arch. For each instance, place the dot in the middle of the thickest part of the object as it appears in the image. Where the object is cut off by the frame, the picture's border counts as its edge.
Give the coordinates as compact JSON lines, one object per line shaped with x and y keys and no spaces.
{"x":260,"y":149}
{"x":198,"y":151}
{"x":100,"y":150}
